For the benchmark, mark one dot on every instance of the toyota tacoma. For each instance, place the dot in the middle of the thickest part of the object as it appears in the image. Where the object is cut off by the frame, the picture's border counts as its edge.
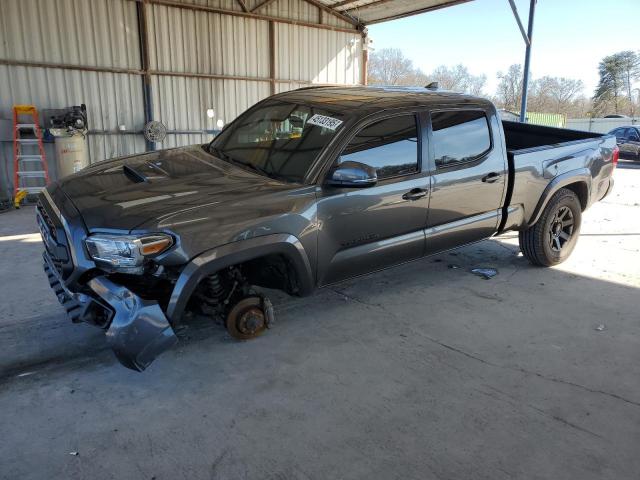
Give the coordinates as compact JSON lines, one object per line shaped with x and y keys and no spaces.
{"x":305,"y":189}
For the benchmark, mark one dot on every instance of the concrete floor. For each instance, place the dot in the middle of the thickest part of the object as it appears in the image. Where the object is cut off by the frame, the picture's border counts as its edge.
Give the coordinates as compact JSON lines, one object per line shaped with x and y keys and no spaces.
{"x":421,"y":371}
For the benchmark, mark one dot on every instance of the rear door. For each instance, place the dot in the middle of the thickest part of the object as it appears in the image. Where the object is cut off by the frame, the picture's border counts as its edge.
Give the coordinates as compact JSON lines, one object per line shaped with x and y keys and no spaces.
{"x":366,"y":229}
{"x":469,"y":174}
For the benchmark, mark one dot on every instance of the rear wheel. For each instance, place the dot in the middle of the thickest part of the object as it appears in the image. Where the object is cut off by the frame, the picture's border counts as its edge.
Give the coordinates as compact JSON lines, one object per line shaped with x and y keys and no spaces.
{"x":553,"y":237}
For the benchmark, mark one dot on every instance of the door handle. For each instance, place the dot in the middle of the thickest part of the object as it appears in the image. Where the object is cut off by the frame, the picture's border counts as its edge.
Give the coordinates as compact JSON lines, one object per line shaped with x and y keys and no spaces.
{"x":491,"y":177}
{"x":415,"y":194}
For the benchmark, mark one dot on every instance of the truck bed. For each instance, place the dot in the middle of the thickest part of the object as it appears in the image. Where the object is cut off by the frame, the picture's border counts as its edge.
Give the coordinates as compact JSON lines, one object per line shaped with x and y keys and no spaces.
{"x":538,"y":155}
{"x":525,"y":136}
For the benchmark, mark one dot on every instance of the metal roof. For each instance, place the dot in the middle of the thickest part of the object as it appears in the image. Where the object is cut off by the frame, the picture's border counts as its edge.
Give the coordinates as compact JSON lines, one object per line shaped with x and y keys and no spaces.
{"x":368,"y":12}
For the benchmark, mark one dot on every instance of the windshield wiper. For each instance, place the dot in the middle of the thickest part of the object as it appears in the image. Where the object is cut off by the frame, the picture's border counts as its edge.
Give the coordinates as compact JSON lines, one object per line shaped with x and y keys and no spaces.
{"x":218,"y":153}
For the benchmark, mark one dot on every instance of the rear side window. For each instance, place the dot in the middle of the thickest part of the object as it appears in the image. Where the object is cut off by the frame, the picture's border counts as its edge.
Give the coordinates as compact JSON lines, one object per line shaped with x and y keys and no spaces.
{"x":389,"y":145}
{"x":459,"y":136}
{"x":619,"y":133}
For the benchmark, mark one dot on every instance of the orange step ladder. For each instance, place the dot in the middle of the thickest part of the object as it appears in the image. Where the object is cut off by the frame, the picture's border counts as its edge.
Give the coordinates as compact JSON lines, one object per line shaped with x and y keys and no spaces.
{"x":27,"y":136}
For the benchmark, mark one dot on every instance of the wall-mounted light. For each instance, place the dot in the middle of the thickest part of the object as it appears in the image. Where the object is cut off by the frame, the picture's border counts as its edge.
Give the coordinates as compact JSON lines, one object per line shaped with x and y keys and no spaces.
{"x":210,"y":113}
{"x":220,"y":123}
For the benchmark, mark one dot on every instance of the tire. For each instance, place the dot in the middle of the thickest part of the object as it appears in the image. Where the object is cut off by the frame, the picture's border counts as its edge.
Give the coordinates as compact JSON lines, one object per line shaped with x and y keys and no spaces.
{"x":553,"y":237}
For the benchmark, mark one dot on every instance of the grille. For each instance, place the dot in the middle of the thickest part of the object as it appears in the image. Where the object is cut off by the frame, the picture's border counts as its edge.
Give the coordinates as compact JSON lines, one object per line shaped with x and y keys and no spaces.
{"x":57,"y":245}
{"x":53,"y":231}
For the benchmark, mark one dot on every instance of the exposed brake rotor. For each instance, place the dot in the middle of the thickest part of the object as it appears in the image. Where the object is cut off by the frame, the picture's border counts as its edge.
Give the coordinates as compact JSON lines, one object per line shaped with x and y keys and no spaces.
{"x":249,"y":318}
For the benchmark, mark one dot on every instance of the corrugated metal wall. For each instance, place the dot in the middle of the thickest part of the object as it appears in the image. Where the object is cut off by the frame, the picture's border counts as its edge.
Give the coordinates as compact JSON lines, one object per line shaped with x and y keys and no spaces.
{"x":198,"y":60}
{"x":74,"y":33}
{"x":321,"y":56}
{"x":203,"y":43}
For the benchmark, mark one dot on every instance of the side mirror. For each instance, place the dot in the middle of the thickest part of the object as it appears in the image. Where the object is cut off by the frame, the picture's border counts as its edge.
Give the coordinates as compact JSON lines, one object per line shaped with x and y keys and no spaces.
{"x":352,"y":175}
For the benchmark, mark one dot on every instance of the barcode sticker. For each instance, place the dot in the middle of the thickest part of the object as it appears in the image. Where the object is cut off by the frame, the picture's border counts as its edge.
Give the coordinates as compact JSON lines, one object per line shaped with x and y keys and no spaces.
{"x":324,"y":121}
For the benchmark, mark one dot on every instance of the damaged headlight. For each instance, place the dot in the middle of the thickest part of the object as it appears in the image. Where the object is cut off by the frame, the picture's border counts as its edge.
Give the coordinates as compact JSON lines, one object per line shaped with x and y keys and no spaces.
{"x":126,"y":253}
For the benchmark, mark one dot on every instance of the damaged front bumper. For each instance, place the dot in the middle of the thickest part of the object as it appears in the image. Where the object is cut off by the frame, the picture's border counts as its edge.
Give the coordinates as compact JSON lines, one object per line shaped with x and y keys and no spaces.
{"x":136,"y":329}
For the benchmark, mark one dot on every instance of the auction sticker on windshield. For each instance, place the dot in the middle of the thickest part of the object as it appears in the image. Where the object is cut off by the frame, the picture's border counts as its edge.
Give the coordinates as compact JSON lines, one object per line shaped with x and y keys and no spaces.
{"x":324,"y":121}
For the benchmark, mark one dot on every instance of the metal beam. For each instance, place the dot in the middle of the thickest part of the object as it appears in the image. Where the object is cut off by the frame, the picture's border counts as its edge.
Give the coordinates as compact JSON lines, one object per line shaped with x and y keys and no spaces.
{"x":236,"y":13}
{"x":211,"y":76}
{"x":527,"y":41}
{"x":527,"y":61}
{"x":243,"y":5}
{"x":404,"y":14}
{"x":69,"y":66}
{"x":343,"y":3}
{"x":272,"y":57}
{"x":146,"y":77}
{"x":131,"y":71}
{"x":260,"y":5}
{"x":331,"y":11}
{"x":365,"y":58}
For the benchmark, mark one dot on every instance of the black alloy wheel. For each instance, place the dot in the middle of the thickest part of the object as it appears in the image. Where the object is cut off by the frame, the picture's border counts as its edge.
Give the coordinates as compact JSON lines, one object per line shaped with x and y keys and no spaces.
{"x":561,"y":229}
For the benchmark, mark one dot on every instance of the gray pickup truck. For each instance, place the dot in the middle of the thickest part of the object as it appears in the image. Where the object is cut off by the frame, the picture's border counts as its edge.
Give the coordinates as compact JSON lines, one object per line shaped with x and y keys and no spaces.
{"x":305,"y":189}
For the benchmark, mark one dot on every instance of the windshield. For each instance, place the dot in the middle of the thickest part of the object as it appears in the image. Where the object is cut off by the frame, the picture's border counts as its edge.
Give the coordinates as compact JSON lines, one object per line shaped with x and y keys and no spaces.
{"x":278,"y":139}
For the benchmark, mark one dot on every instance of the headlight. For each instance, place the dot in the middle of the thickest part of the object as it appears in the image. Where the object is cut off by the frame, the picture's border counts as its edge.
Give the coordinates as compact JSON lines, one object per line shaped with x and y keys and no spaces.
{"x":126,"y":253}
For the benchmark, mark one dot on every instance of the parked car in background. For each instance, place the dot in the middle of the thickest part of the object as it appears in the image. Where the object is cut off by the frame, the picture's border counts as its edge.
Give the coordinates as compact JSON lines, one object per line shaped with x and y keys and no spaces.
{"x":628,"y":139}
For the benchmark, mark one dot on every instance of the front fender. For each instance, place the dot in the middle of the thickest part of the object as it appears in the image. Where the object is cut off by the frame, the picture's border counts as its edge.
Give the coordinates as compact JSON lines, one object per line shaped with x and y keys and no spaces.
{"x":230,"y":254}
{"x":582,"y":175}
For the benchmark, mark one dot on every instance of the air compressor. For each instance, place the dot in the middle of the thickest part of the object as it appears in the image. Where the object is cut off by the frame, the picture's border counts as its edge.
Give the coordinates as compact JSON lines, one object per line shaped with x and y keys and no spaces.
{"x":69,"y":128}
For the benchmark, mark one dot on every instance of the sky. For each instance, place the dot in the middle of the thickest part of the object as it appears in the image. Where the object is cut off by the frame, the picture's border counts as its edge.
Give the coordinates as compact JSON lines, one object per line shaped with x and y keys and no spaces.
{"x":570,"y":37}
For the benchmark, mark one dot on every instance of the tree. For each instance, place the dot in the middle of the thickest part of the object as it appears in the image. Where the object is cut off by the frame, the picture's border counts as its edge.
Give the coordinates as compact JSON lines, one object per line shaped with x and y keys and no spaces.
{"x":390,"y":67}
{"x":476,"y":85}
{"x":617,"y":74}
{"x":630,"y":65}
{"x":554,"y":94}
{"x":509,"y":92}
{"x":458,"y":79}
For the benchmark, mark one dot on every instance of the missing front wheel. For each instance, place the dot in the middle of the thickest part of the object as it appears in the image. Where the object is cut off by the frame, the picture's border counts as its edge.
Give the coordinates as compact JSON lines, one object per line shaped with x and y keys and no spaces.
{"x":227,"y":297}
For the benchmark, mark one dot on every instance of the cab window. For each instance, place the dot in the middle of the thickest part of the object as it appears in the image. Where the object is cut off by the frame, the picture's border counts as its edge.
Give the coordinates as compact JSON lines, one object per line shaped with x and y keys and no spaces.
{"x":459,"y":136}
{"x":389,"y":145}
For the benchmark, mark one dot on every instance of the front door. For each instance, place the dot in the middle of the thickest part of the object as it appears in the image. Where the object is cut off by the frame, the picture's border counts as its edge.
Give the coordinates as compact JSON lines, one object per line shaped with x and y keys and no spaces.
{"x":469,"y":177}
{"x":630,"y":146}
{"x":367,"y":229}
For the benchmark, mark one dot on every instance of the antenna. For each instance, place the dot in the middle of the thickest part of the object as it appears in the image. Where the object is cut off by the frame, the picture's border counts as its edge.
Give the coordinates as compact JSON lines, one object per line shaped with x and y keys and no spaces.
{"x":432,"y":86}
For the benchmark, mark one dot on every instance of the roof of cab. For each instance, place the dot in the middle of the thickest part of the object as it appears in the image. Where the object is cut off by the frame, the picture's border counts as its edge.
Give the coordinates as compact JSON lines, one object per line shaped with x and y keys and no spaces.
{"x":363,"y":100}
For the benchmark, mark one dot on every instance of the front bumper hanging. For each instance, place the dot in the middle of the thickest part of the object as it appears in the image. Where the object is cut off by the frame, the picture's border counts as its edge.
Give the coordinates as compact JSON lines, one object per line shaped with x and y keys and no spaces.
{"x":136,"y":329}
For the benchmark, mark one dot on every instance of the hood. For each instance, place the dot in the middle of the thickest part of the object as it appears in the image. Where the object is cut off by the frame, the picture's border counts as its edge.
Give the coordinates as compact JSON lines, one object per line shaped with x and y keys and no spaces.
{"x":130,"y":191}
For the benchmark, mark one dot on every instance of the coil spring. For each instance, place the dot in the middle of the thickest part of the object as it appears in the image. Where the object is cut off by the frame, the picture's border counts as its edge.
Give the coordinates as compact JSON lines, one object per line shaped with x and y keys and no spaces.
{"x":215,"y":289}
